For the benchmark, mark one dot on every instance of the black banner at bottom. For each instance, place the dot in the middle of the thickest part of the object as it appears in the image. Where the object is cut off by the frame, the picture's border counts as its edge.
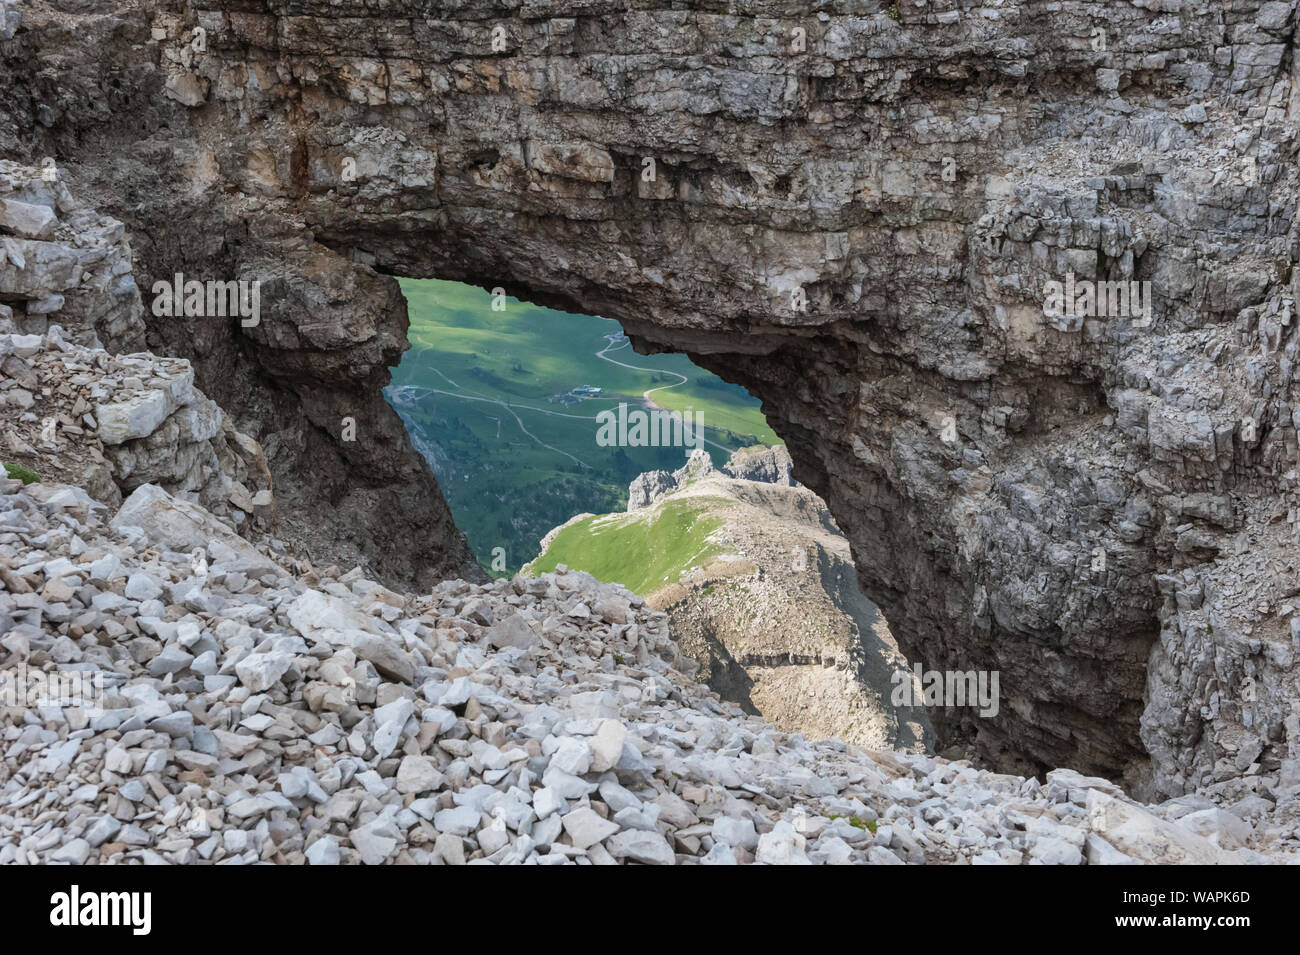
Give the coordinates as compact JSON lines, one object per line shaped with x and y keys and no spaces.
{"x":178,"y":905}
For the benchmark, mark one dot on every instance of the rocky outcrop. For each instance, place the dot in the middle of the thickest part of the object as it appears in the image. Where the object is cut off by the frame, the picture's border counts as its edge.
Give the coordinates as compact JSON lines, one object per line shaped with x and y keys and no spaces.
{"x":856,"y":215}
{"x":223,"y":707}
{"x":765,"y":465}
{"x":112,"y":423}
{"x":645,"y":489}
{"x":777,"y":623}
{"x":650,"y":486}
{"x":73,"y":410}
{"x":62,"y":262}
{"x":765,"y":602}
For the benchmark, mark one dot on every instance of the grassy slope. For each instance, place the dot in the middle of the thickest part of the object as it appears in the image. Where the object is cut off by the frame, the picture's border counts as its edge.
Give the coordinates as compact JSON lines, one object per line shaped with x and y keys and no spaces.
{"x":20,"y":473}
{"x":643,"y":551}
{"x":504,"y":487}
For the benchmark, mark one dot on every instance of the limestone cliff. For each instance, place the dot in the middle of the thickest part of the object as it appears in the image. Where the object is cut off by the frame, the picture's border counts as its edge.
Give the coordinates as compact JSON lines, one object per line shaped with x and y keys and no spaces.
{"x":855,"y":213}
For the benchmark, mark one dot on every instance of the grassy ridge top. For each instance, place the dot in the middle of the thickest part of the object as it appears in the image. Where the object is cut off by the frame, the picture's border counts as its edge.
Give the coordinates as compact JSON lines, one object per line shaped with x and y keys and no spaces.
{"x":643,"y":551}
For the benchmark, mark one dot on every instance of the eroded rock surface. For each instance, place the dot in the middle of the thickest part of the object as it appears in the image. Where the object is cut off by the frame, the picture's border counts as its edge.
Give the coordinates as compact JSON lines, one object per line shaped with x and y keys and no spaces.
{"x":766,"y":465}
{"x":860,"y":231}
{"x":71,"y":408}
{"x":251,"y":710}
{"x":773,"y":615}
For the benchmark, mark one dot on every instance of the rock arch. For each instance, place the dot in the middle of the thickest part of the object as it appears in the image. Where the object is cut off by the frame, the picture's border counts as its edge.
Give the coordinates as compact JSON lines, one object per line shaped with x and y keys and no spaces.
{"x":1073,"y":503}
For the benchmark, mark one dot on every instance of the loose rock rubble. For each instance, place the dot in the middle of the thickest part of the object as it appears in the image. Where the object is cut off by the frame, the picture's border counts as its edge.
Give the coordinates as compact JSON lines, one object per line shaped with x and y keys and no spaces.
{"x":111,"y":423}
{"x":76,"y":409}
{"x":258,"y":710}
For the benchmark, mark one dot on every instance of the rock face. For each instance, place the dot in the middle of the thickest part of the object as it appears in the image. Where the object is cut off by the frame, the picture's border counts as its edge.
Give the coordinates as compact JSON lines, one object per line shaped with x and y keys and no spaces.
{"x":62,"y":262}
{"x":854,"y":214}
{"x":773,"y":617}
{"x":766,"y":465}
{"x":246,"y":712}
{"x":75,"y":411}
{"x":304,"y":379}
{"x":647,"y":488}
{"x":644,"y":490}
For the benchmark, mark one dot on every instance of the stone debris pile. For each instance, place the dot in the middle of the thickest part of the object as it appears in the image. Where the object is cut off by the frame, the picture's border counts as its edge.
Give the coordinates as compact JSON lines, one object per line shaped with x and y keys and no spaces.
{"x":112,"y":423}
{"x":255,"y":709}
{"x":81,"y":402}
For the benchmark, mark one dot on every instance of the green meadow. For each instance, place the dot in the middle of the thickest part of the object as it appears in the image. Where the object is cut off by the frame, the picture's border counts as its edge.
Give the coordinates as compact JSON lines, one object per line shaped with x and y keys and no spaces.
{"x":479,"y":393}
{"x":642,"y":551}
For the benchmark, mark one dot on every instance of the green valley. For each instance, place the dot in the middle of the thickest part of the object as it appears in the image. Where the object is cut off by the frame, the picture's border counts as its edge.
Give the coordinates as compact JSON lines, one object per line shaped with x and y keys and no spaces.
{"x":503,"y":405}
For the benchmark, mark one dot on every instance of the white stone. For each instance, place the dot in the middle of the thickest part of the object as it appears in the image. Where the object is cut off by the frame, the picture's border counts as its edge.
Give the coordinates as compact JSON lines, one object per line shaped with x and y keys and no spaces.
{"x":460,"y":821}
{"x":142,"y":587}
{"x":637,"y":846}
{"x":373,"y":847}
{"x":546,"y":801}
{"x":572,"y":756}
{"x":261,"y":671}
{"x":735,"y":832}
{"x":781,"y":846}
{"x":324,"y":851}
{"x":607,"y":745}
{"x":418,"y":774}
{"x":586,"y":828}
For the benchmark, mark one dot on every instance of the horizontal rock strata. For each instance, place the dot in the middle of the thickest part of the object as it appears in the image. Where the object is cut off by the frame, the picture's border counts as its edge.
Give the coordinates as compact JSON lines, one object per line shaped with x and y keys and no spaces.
{"x":857,"y":214}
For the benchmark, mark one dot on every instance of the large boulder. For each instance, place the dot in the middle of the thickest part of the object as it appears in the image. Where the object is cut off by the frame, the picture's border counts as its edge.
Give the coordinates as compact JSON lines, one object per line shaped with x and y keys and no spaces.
{"x":181,"y":526}
{"x":1144,"y":836}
